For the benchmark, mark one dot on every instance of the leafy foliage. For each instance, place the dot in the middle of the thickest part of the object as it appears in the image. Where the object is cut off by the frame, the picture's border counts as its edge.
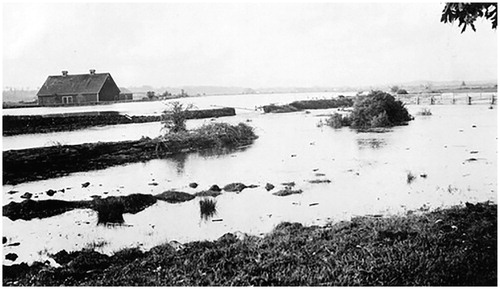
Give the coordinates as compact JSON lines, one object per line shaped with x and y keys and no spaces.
{"x":378,"y":109}
{"x":174,"y":117}
{"x":467,"y":14}
{"x":213,"y":136}
{"x":338,"y":120}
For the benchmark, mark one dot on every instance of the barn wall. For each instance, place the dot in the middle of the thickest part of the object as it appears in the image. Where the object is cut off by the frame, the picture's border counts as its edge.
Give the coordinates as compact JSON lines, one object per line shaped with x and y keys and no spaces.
{"x":48,"y":100}
{"x":109,"y":91}
{"x":88,"y":97}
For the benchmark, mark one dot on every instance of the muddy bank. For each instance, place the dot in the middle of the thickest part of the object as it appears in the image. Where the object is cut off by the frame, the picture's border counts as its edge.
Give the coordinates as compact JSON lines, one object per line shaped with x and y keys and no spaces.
{"x":50,"y":162}
{"x":450,"y":247}
{"x":27,"y":124}
{"x":309,"y":104}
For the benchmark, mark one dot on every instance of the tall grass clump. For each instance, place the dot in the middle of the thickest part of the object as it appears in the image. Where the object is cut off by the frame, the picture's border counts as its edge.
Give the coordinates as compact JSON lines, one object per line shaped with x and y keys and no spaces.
{"x":208,"y":208}
{"x":410,"y":177}
{"x":425,"y":111}
{"x":109,"y":211}
{"x":378,"y":109}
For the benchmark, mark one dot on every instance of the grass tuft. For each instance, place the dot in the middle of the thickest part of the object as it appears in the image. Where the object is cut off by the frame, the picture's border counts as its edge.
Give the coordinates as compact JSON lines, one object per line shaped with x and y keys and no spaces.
{"x":109,"y":211}
{"x":424,"y":111}
{"x":410,"y":177}
{"x":208,"y":208}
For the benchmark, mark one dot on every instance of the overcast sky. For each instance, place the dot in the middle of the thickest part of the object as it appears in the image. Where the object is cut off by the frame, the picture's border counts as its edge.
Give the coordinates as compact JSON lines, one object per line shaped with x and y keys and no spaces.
{"x":248,"y":45}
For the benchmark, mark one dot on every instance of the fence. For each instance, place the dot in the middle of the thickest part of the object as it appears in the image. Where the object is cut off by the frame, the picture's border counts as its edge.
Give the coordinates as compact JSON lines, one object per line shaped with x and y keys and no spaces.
{"x":489,"y":98}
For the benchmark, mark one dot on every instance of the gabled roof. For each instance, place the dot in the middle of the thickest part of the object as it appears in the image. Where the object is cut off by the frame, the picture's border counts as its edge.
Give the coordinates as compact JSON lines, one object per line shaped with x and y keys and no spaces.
{"x":73,"y":84}
{"x":124,"y":90}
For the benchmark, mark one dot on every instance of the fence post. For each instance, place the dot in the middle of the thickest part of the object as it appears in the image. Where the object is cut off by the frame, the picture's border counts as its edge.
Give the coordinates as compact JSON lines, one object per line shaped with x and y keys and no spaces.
{"x":492,"y":99}
{"x":453,"y":98}
{"x":469,"y":99}
{"x":432,"y":100}
{"x":418,"y":99}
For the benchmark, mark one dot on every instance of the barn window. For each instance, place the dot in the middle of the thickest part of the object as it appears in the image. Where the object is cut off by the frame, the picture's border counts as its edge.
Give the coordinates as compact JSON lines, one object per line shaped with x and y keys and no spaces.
{"x":67,"y":99}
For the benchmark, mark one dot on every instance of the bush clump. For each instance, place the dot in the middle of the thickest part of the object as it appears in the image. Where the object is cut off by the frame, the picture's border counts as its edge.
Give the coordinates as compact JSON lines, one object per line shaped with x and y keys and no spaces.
{"x":378,"y":109}
{"x":213,"y":136}
{"x":338,"y":120}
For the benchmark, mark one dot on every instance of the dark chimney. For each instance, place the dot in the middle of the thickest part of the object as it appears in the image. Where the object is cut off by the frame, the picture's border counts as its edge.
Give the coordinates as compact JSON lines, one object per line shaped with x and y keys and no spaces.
{"x":92,"y":71}
{"x":64,"y":72}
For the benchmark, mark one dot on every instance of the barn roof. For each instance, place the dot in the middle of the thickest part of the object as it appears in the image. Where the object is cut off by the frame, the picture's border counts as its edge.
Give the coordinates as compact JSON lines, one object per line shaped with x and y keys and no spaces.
{"x":124,"y":90}
{"x":73,"y":84}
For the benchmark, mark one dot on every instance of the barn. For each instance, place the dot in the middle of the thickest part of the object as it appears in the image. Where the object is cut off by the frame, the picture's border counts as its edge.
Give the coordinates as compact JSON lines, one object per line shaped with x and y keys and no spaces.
{"x":78,"y":89}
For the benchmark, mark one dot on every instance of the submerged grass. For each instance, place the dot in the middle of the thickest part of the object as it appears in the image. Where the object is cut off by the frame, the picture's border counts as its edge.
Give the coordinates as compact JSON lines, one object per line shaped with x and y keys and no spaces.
{"x":208,"y":208}
{"x":410,"y":177}
{"x":109,"y":211}
{"x":450,"y":247}
{"x":425,"y":111}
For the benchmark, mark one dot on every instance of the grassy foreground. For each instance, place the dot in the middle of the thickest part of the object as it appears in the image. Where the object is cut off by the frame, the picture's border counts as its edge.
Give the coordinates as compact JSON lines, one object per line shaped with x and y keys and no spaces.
{"x":456,"y":246}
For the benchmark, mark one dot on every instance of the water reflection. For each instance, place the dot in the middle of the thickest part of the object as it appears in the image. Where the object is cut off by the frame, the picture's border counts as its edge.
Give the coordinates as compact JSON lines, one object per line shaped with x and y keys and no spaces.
{"x":371,"y":143}
{"x":180,"y":162}
{"x":216,"y":152}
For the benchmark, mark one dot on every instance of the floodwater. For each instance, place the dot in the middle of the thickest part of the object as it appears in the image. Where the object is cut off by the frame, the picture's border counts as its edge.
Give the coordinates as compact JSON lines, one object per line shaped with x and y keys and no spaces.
{"x":452,"y":155}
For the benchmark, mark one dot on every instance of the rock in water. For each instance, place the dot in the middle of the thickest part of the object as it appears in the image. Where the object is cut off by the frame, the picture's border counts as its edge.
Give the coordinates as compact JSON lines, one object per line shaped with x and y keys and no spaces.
{"x":11,"y":257}
{"x":234,"y":187}
{"x":27,"y":195}
{"x":174,"y":197}
{"x":215,"y":188}
{"x":50,"y":193}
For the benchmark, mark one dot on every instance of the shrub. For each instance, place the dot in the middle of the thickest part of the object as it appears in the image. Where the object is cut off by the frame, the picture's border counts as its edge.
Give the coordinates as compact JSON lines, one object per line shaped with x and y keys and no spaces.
{"x":213,"y":136}
{"x":338,"y":120}
{"x":381,"y":120}
{"x":378,"y":109}
{"x":174,"y":117}
{"x":402,"y":91}
{"x":223,"y":134}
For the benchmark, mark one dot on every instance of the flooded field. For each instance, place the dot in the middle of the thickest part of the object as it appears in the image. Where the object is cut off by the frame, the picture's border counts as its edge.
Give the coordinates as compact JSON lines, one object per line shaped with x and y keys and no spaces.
{"x":440,"y":160}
